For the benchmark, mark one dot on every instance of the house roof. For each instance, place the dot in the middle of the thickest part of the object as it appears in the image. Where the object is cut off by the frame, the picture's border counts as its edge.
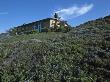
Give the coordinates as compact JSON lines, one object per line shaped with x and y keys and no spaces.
{"x":46,"y":19}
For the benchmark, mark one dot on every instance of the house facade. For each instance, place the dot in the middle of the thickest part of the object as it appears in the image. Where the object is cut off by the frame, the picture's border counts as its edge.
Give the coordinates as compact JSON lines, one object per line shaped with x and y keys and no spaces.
{"x":51,"y":23}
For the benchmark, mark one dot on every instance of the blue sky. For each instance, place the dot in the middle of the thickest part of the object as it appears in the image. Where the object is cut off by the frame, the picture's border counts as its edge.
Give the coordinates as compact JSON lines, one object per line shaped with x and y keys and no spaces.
{"x":18,"y":12}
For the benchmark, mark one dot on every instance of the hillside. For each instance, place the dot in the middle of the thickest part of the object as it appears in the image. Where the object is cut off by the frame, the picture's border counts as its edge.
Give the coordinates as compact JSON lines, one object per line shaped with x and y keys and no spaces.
{"x":81,"y":55}
{"x":98,"y":24}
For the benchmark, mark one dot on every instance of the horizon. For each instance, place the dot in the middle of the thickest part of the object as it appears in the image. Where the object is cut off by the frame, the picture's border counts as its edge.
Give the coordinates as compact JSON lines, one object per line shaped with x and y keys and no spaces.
{"x":15,"y":13}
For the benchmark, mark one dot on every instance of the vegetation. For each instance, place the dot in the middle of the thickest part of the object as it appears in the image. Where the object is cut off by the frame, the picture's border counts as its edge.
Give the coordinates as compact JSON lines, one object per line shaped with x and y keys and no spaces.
{"x":24,"y":29}
{"x":81,"y":55}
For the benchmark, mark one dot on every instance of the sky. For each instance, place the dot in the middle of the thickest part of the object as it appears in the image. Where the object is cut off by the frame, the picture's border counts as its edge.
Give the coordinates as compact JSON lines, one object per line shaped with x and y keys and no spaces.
{"x":17,"y":12}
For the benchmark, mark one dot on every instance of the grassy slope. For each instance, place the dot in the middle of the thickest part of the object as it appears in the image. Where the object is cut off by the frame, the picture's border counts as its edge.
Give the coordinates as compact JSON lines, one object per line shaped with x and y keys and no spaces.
{"x":82,"y":55}
{"x":40,"y":36}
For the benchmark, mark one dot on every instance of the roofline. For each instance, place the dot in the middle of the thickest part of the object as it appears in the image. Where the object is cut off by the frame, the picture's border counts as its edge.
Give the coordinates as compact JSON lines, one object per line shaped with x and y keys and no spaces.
{"x":36,"y":21}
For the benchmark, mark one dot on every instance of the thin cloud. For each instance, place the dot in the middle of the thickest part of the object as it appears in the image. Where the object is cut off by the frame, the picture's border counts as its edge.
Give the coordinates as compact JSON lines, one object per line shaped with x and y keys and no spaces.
{"x":3,"y":13}
{"x":74,"y":11}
